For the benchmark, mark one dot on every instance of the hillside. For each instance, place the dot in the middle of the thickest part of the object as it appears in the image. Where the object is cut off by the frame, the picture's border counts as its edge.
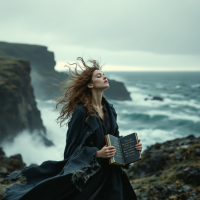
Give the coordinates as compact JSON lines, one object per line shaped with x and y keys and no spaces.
{"x":168,"y":171}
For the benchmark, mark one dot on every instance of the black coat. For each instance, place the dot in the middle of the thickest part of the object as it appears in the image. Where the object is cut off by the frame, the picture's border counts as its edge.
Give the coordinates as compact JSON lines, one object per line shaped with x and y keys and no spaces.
{"x":57,"y":180}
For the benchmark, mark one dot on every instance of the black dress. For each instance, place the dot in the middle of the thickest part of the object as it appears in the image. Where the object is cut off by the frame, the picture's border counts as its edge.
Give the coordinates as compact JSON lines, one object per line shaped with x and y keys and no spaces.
{"x":109,"y":176}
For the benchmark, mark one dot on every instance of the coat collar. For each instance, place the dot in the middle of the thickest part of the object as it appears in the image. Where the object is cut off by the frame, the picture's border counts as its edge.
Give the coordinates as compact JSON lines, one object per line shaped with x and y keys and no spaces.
{"x":92,"y":122}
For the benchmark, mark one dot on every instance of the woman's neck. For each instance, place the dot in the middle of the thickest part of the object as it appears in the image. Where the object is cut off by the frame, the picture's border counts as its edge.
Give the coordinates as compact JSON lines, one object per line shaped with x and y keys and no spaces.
{"x":97,"y":101}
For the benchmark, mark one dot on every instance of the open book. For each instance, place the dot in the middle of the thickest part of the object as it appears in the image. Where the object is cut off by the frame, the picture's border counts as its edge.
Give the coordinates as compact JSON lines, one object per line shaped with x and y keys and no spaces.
{"x":125,"y":149}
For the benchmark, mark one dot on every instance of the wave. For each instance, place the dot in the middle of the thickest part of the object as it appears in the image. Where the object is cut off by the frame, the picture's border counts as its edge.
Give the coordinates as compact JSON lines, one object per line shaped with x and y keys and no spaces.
{"x":151,"y":136}
{"x":155,"y":116}
{"x":195,"y":86}
{"x":35,"y":152}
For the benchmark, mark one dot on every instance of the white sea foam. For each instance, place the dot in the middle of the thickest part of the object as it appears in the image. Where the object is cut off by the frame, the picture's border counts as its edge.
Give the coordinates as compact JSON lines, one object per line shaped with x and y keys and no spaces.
{"x":33,"y":150}
{"x":170,"y":114}
{"x":177,"y":86}
{"x":31,"y":147}
{"x":195,"y":86}
{"x":151,"y":136}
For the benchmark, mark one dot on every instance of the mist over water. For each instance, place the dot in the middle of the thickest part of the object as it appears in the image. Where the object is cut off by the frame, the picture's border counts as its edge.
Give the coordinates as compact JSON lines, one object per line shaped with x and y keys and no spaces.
{"x":154,"y":121}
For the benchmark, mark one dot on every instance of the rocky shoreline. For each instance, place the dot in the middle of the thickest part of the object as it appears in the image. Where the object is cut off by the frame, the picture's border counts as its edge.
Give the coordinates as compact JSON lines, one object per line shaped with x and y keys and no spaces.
{"x":168,"y":171}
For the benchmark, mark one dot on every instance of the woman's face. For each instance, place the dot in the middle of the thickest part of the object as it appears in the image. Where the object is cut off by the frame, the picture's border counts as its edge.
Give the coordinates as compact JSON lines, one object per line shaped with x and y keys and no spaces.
{"x":99,"y":80}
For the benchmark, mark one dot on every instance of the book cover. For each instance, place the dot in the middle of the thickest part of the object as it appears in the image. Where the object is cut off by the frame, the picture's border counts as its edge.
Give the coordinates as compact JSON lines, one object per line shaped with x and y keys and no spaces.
{"x":125,"y":149}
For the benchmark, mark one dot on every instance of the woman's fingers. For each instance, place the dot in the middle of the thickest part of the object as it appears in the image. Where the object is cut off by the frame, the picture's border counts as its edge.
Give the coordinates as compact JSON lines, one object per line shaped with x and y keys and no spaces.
{"x":138,"y":146}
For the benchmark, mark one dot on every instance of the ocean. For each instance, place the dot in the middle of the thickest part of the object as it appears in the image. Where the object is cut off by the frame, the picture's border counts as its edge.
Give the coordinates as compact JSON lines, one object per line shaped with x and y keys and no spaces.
{"x":178,"y":115}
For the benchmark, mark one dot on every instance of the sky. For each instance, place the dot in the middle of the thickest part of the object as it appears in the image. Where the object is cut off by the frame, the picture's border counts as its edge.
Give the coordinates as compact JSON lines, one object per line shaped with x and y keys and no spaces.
{"x":124,"y":35}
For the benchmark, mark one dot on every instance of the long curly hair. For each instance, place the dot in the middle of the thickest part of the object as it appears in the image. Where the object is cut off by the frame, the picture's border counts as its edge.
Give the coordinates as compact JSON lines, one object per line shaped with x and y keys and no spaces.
{"x":76,"y":90}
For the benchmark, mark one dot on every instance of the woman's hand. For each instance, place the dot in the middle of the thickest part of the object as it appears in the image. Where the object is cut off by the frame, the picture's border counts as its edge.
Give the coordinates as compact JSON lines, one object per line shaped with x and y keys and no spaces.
{"x":138,"y":146}
{"x":106,"y":152}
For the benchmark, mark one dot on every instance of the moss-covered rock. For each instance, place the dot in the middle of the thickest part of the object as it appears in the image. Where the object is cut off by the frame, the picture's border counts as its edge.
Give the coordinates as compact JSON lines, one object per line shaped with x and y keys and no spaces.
{"x":169,"y":170}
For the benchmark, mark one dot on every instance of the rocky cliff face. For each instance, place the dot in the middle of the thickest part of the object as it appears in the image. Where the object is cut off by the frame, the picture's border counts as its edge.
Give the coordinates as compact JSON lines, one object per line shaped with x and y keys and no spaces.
{"x":117,"y":91}
{"x":43,"y":73}
{"x":42,"y":67}
{"x":18,"y":109}
{"x":169,"y":170}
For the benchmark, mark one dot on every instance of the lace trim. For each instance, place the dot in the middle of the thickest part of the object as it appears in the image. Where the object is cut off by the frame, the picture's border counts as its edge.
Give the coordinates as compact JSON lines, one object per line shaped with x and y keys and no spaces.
{"x":80,"y":177}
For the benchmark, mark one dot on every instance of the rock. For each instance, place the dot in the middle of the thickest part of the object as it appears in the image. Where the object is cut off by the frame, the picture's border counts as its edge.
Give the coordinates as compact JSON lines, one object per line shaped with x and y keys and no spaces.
{"x":159,"y":187}
{"x":158,"y":173}
{"x":18,"y":108}
{"x":191,"y":175}
{"x":2,"y":153}
{"x":186,"y":188}
{"x":178,"y":156}
{"x":197,"y":151}
{"x":155,"y":98}
{"x":117,"y":91}
{"x":10,"y":164}
{"x":158,"y":156}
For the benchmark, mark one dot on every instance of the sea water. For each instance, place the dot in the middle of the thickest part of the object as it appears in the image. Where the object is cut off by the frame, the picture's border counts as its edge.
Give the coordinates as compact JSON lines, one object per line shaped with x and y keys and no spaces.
{"x":178,"y":115}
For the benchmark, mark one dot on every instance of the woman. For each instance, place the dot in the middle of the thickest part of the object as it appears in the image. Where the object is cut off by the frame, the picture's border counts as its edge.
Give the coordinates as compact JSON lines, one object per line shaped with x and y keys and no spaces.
{"x":85,"y":173}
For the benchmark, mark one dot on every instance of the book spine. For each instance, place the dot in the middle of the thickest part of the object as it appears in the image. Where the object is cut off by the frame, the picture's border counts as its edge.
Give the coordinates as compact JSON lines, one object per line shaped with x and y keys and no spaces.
{"x":121,"y":150}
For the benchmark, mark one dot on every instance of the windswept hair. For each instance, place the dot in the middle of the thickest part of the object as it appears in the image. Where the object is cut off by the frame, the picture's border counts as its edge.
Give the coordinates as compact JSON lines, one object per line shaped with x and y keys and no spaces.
{"x":76,"y":90}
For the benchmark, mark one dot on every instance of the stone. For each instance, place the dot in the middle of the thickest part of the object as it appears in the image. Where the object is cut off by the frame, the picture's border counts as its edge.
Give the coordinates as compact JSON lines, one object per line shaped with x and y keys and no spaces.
{"x":186,"y":188}
{"x":197,"y":151}
{"x":178,"y":156}
{"x":135,"y":186}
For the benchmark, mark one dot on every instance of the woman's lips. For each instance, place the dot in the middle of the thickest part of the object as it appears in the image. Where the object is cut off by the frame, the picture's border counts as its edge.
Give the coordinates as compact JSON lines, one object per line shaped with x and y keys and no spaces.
{"x":105,"y":81}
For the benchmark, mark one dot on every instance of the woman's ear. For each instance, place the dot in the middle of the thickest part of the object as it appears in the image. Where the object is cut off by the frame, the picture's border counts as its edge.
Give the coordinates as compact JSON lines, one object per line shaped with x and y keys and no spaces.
{"x":90,"y":85}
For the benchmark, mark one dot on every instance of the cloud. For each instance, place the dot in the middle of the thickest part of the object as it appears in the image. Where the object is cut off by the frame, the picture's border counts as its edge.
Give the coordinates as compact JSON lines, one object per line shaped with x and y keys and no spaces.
{"x":140,"y":33}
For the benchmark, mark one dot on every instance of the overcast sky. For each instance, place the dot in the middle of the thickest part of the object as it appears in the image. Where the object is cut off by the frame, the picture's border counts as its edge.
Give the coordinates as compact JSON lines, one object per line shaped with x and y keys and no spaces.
{"x":123,"y":34}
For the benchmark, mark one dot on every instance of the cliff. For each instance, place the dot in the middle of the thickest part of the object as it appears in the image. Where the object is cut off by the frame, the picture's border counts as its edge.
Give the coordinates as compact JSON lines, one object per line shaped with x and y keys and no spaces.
{"x":169,"y":170}
{"x":18,"y":109}
{"x":117,"y":91}
{"x":43,"y":73}
{"x":42,"y":65}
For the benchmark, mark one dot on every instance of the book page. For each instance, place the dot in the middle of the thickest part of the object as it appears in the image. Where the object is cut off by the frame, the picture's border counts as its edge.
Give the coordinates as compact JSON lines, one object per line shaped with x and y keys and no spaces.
{"x":128,"y":148}
{"x":118,"y":154}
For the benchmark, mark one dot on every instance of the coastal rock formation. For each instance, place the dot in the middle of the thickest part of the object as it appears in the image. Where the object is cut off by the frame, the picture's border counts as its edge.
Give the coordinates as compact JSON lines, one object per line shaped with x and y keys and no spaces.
{"x":169,"y":170}
{"x":117,"y":91}
{"x":44,"y":75}
{"x":18,"y":109}
{"x":177,"y":179}
{"x":7,"y":166}
{"x":154,"y":98}
{"x":42,"y":63}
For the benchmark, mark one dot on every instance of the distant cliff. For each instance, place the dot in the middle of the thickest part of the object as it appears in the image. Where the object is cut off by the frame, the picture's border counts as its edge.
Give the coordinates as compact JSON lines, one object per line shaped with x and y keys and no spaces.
{"x":18,"y":109}
{"x":42,"y":65}
{"x":117,"y":91}
{"x":43,"y":73}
